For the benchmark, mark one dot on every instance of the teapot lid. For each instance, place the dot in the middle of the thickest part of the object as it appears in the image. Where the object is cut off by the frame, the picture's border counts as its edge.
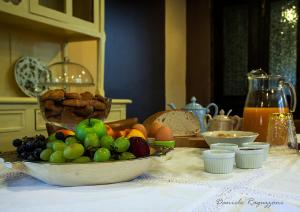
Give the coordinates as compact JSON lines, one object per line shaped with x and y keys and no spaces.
{"x":193,"y":105}
{"x":222,"y":115}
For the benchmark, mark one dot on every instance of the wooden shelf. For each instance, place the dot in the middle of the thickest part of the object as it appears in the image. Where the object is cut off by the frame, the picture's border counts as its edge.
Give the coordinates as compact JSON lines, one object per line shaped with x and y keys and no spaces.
{"x":31,"y":100}
{"x":64,"y":32}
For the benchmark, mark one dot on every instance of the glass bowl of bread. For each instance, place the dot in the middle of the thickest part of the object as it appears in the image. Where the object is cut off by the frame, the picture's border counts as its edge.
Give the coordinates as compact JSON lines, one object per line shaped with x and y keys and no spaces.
{"x":68,"y":98}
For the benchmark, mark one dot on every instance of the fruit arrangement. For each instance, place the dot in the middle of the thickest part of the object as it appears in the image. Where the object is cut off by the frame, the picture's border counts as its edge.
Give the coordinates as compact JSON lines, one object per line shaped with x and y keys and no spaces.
{"x":92,"y":140}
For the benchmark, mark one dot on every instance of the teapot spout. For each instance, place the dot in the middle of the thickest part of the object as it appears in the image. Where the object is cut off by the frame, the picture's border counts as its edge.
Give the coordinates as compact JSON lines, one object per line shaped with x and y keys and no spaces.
{"x":172,"y":106}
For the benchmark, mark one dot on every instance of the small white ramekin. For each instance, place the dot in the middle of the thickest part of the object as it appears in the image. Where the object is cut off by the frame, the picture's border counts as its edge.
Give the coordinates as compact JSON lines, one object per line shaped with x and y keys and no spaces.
{"x":249,"y":158}
{"x":225,"y":146}
{"x":218,"y":161}
{"x":263,"y":145}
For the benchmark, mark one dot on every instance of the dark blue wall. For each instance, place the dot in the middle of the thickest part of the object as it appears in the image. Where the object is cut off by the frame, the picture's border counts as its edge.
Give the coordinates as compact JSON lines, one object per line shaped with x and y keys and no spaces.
{"x":134,"y":55}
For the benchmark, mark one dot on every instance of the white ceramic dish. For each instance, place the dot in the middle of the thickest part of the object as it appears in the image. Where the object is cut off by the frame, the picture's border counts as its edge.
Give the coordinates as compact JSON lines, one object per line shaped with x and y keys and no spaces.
{"x":249,"y":158}
{"x":218,"y":161}
{"x":264,"y":146}
{"x":225,"y":146}
{"x":28,"y":72}
{"x":71,"y":174}
{"x":234,"y":137}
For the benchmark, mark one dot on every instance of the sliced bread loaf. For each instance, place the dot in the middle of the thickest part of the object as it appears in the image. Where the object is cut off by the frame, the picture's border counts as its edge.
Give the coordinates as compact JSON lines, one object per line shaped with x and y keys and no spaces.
{"x":182,"y":123}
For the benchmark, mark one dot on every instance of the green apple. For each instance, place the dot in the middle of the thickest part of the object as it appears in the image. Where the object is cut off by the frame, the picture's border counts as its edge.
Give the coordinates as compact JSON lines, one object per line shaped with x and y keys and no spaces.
{"x":91,"y":140}
{"x":107,"y":142}
{"x":73,"y":151}
{"x":101,"y":155}
{"x":88,"y":126}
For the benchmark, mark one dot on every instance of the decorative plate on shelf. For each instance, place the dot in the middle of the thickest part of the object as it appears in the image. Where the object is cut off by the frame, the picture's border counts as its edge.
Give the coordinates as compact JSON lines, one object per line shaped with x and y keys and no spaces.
{"x":28,"y":72}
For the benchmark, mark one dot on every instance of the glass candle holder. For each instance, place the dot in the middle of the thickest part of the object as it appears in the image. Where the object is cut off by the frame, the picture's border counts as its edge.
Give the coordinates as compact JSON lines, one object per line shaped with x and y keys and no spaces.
{"x":281,"y":130}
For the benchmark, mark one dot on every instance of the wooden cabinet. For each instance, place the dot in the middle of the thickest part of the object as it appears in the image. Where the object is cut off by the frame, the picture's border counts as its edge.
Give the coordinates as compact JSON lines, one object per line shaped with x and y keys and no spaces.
{"x":69,"y":19}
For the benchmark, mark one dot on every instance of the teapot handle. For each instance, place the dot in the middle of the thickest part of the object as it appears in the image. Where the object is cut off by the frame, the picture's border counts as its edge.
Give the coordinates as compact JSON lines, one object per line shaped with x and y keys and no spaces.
{"x":293,"y":96}
{"x":237,"y":122}
{"x":172,"y":106}
{"x":214,"y":106}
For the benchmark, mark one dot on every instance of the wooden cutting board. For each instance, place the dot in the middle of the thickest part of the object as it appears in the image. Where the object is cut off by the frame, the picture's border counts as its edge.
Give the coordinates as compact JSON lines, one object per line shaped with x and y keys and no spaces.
{"x":191,"y":141}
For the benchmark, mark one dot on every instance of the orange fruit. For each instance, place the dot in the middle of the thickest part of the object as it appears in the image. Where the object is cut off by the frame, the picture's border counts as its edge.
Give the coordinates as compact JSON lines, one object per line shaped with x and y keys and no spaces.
{"x":153,"y":128}
{"x":120,"y":133}
{"x":109,"y":130}
{"x":141,"y":128}
{"x":164,"y":134}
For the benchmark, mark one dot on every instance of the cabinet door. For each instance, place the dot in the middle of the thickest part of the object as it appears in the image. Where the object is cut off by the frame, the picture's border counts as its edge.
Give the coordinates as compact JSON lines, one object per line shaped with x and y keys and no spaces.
{"x":85,"y":14}
{"x":54,"y":9}
{"x":77,"y":13}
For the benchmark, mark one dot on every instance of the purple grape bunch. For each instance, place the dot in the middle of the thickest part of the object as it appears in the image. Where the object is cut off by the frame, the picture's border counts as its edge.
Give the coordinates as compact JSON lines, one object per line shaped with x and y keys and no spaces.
{"x":30,"y":148}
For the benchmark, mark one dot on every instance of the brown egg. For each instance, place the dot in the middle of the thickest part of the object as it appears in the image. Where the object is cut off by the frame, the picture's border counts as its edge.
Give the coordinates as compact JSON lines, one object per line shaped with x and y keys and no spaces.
{"x":141,"y":128}
{"x":164,"y":134}
{"x":153,"y":128}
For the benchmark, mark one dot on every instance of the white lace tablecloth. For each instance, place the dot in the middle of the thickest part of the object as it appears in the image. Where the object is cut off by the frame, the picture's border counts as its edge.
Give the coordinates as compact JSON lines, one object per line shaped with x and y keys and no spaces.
{"x":176,"y":182}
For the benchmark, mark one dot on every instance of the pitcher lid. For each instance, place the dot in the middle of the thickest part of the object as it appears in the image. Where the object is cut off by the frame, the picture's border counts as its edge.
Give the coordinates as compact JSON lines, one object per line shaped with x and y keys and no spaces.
{"x":193,"y":105}
{"x":257,"y":73}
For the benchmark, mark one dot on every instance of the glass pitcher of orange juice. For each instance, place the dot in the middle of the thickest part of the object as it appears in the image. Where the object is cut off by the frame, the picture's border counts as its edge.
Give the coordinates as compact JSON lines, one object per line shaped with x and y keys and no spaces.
{"x":266,"y":95}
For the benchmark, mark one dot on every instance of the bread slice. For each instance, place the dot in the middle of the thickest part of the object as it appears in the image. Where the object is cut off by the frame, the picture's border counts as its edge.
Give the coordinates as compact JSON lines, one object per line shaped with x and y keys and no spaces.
{"x":182,"y":123}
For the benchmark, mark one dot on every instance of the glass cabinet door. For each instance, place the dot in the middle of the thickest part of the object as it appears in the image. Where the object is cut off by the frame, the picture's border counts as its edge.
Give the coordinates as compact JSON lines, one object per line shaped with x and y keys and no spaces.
{"x":57,"y":5}
{"x":86,"y":13}
{"x":54,"y":9}
{"x":80,"y":13}
{"x":83,"y":10}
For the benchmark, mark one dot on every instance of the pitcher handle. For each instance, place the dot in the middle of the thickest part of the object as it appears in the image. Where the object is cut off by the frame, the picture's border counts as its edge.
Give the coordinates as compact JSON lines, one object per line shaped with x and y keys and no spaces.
{"x":215,"y":107}
{"x":293,"y":96}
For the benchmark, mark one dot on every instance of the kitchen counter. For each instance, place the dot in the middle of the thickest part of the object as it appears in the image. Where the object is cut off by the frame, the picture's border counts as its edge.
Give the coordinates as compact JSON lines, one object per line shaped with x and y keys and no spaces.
{"x":176,"y":182}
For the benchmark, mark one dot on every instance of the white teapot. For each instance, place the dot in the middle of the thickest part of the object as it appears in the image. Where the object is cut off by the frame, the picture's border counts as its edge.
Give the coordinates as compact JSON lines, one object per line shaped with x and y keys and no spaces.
{"x":224,"y":122}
